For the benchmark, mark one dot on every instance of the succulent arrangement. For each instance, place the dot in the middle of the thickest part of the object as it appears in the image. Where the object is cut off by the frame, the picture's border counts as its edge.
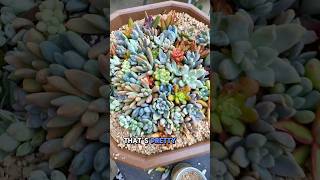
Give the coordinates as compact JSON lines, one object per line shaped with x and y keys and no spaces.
{"x":54,"y":87}
{"x":266,"y":113}
{"x":160,"y":83}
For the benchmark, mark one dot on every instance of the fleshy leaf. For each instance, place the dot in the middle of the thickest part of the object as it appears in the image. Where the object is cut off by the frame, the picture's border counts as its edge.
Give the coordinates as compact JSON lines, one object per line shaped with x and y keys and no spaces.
{"x":299,"y":132}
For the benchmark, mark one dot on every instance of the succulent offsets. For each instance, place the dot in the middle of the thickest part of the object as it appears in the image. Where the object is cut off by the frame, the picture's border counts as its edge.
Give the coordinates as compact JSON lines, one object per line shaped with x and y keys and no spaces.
{"x":160,"y":83}
{"x":267,"y":96}
{"x":51,"y":17}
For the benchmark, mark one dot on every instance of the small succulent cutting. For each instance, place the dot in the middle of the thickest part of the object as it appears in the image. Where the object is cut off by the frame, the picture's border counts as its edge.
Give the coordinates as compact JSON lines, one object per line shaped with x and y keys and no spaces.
{"x":159,"y":81}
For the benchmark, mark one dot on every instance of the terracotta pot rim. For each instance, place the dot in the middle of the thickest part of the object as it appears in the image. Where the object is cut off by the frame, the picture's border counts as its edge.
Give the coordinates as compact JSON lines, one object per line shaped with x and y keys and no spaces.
{"x":156,"y":6}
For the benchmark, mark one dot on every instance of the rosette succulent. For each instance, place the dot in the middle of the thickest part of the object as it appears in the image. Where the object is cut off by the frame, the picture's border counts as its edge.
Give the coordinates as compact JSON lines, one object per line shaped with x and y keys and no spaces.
{"x":180,"y":95}
{"x":161,"y":108}
{"x":162,"y":75}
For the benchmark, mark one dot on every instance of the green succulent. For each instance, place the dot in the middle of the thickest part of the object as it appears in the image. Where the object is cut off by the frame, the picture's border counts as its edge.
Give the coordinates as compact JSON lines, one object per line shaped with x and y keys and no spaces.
{"x":231,"y":114}
{"x":51,"y":17}
{"x":16,"y":138}
{"x":162,"y":75}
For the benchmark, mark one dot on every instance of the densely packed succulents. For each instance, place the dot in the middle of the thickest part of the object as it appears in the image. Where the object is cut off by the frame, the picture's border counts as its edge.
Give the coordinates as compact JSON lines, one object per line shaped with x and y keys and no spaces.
{"x":160,"y":84}
{"x":56,"y":96}
{"x":54,"y":86}
{"x":267,"y":98}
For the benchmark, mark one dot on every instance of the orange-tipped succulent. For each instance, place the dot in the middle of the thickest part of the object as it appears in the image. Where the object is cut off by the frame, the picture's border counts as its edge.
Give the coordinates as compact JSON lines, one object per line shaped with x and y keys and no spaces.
{"x":177,"y":55}
{"x":128,"y":29}
{"x":169,"y":20}
{"x":186,"y":45}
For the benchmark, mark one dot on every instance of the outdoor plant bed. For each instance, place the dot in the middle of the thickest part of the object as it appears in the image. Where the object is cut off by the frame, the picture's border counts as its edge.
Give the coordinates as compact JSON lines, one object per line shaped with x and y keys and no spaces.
{"x":160,"y":77}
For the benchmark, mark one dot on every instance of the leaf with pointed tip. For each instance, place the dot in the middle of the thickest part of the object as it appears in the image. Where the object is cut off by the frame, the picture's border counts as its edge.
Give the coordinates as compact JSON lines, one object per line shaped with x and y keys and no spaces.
{"x":31,"y":86}
{"x":15,"y":61}
{"x":67,"y":99}
{"x":73,"y":60}
{"x":279,"y":66}
{"x":264,"y":75}
{"x":38,"y":64}
{"x":97,"y":49}
{"x":51,"y":146}
{"x":104,"y":67}
{"x":97,"y":21}
{"x":99,"y":160}
{"x":301,"y":154}
{"x":20,"y":131}
{"x":82,"y":26}
{"x":24,"y":73}
{"x":72,"y":109}
{"x":79,"y":144}
{"x":312,"y":68}
{"x":84,"y":82}
{"x":78,"y":43}
{"x":48,"y":49}
{"x":63,"y":85}
{"x":286,"y":166}
{"x":33,"y":35}
{"x":89,"y":118}
{"x":24,"y":149}
{"x":57,"y":69}
{"x":8,"y":144}
{"x":34,"y":48}
{"x":42,"y":99}
{"x":299,"y":132}
{"x":57,"y":175}
{"x":95,"y":131}
{"x":59,"y":122}
{"x":53,"y":133}
{"x":60,"y":158}
{"x":71,"y":137}
{"x":83,"y":161}
{"x":98,"y":105}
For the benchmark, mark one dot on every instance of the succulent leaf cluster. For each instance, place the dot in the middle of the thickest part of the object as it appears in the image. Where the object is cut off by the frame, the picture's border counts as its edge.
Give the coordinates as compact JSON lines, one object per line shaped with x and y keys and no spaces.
{"x":64,"y":116}
{"x":266,"y":92}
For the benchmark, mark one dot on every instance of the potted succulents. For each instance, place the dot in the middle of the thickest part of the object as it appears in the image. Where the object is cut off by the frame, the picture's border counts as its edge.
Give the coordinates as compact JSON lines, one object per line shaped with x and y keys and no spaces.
{"x":159,"y":73}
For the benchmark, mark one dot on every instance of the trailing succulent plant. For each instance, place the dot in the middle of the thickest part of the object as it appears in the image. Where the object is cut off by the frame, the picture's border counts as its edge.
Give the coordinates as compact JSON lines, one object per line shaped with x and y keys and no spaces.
{"x":267,"y":96}
{"x":158,"y":78}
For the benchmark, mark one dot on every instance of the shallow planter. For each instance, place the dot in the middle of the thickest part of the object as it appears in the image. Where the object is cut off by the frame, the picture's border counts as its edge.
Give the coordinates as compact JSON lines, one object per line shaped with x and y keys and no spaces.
{"x":117,"y":20}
